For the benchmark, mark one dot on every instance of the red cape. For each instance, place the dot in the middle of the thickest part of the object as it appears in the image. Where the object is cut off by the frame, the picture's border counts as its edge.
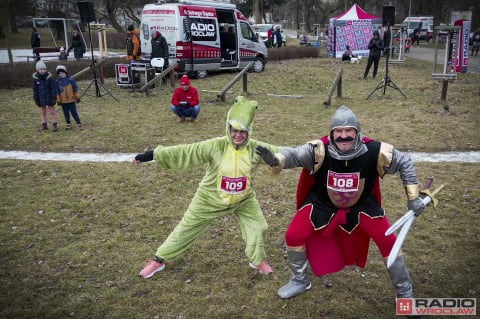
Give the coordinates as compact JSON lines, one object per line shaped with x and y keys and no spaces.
{"x":329,"y":254}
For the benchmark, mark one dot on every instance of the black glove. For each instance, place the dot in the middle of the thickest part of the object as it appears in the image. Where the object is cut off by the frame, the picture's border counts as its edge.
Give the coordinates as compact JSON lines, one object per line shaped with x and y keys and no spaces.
{"x":59,"y":103}
{"x":77,"y":100}
{"x":417,"y":205}
{"x":267,"y":156}
{"x":145,"y":157}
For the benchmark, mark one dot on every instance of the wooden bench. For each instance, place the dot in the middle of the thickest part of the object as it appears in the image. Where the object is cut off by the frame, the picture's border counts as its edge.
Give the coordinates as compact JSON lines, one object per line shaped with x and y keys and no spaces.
{"x":39,"y":52}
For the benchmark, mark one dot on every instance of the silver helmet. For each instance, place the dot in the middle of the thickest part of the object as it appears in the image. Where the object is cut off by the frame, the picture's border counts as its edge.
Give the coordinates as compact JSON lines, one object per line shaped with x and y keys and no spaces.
{"x":344,"y":117}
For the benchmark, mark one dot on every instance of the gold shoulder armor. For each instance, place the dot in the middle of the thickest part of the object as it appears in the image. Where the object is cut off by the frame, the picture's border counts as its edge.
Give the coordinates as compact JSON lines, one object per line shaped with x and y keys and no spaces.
{"x":384,"y":157}
{"x":319,"y":154}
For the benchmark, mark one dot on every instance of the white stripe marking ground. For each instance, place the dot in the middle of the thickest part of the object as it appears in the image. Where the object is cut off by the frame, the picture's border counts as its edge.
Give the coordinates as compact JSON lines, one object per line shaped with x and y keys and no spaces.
{"x":463,"y":157}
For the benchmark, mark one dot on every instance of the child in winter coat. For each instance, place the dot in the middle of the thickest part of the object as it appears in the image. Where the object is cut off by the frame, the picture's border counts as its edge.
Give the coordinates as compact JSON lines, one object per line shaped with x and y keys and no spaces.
{"x":43,"y":87}
{"x":63,"y":55}
{"x":67,"y":96}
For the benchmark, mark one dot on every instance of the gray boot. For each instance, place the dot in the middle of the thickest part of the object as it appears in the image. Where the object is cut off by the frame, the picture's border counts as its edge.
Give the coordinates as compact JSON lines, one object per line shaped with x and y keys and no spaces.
{"x":299,"y":282}
{"x":400,"y":278}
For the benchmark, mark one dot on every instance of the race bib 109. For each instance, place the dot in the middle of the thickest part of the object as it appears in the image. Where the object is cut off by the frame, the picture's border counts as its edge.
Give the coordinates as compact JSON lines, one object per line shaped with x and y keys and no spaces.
{"x":233,"y":185}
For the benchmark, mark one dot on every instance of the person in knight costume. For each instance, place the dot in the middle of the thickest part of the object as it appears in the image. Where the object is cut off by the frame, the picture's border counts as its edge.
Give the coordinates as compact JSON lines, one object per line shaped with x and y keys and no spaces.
{"x":338,"y":203}
{"x":227,"y":186}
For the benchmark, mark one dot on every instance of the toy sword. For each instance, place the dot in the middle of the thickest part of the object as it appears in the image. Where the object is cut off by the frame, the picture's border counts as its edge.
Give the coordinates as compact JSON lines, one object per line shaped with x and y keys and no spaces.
{"x":406,"y":221}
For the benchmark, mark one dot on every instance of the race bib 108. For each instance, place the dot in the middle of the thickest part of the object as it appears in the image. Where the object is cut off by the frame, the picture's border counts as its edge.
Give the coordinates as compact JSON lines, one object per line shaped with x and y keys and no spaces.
{"x":343,"y":182}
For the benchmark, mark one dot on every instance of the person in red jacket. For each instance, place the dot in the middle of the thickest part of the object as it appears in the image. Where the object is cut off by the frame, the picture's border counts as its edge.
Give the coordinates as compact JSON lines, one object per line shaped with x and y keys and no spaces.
{"x":185,"y":102}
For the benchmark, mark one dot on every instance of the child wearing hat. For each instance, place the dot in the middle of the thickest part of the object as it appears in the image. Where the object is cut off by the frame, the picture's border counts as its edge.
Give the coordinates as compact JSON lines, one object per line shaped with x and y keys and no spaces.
{"x":185,"y":102}
{"x":67,"y":96}
{"x":43,"y":87}
{"x":63,"y":55}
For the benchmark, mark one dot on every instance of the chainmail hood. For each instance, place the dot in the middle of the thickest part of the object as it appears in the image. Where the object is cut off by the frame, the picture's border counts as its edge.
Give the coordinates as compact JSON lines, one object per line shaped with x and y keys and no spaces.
{"x":344,"y":117}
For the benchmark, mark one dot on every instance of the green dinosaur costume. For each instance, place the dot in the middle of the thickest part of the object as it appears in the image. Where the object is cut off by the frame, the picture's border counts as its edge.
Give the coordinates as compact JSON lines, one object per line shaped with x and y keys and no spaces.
{"x":227,"y":187}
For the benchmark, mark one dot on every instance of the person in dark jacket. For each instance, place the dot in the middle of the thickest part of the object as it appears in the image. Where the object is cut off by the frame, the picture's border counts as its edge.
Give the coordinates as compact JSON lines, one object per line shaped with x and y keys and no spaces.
{"x":278,"y":37}
{"x":63,"y":54}
{"x":77,"y":45}
{"x":159,"y":47}
{"x":43,"y":87}
{"x":35,"y":42}
{"x":376,"y":47}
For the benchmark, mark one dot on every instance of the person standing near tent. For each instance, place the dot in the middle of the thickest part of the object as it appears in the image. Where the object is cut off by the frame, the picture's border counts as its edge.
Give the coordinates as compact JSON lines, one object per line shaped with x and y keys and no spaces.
{"x":376,"y":47}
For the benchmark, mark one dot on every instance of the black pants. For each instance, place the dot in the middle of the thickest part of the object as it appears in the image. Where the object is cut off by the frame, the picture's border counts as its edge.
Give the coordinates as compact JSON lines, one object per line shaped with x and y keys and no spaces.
{"x":375,"y":60}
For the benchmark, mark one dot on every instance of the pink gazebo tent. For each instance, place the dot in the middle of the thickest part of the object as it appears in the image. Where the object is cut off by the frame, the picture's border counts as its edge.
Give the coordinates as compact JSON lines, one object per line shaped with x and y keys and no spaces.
{"x":354,"y":27}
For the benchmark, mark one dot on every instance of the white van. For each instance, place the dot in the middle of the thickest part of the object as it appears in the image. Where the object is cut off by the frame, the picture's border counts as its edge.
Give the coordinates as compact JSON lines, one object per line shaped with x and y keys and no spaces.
{"x":203,"y":36}
{"x":426,"y":29}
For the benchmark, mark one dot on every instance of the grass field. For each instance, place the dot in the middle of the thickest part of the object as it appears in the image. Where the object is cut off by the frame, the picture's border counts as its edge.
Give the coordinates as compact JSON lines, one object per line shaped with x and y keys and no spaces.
{"x":74,"y":236}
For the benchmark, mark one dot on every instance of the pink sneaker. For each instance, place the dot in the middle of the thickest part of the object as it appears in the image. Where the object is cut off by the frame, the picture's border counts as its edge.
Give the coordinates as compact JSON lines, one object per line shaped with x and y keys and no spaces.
{"x":151,"y":267}
{"x":264,"y":268}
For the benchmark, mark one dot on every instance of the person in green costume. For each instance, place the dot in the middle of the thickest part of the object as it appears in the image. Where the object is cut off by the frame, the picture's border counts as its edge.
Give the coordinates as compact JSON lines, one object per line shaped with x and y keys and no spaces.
{"x":227,"y":187}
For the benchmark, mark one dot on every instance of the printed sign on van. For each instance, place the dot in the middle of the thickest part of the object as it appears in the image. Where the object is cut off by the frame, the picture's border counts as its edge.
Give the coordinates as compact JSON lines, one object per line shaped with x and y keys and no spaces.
{"x":203,"y":29}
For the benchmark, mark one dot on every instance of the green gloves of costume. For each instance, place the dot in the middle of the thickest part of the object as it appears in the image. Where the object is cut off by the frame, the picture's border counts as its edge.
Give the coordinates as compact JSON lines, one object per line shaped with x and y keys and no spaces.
{"x":266,"y":155}
{"x":145,"y":157}
{"x":417,"y":205}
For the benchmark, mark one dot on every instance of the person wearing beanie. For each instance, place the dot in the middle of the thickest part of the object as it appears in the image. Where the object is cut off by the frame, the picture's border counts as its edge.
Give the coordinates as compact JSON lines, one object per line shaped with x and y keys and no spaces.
{"x":185,"y":101}
{"x":43,"y":87}
{"x":227,"y":188}
{"x":376,"y":47}
{"x":63,"y":54}
{"x":338,"y":203}
{"x":67,"y":96}
{"x":133,"y":44}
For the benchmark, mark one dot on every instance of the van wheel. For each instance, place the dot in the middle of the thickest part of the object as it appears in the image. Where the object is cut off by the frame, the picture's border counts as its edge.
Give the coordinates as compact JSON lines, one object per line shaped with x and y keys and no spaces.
{"x":201,"y":74}
{"x":258,"y":65}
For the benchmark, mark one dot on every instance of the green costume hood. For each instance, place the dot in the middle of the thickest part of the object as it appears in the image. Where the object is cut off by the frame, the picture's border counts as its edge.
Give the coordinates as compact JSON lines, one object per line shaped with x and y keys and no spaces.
{"x":241,"y":116}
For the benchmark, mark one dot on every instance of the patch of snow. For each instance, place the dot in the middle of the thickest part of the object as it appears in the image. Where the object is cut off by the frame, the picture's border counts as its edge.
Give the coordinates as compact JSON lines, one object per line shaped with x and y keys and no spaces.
{"x":463,"y":157}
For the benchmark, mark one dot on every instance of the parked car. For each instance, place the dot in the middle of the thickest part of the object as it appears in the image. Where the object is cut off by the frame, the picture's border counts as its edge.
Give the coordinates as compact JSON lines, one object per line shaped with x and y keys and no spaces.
{"x":262,"y":29}
{"x":41,"y":23}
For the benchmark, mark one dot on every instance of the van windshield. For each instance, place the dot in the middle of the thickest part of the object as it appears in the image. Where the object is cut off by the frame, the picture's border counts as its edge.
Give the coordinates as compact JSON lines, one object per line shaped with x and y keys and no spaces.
{"x":412,"y":25}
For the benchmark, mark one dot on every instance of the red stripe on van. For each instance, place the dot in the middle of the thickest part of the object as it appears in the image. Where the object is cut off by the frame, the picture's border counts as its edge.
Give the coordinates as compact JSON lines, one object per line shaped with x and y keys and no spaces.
{"x":194,"y":11}
{"x":184,"y":51}
{"x":159,"y":11}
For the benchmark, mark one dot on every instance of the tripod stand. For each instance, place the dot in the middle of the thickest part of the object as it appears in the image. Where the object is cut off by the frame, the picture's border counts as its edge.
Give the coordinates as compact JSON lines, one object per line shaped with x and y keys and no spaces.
{"x":95,"y":80}
{"x":386,"y":81}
